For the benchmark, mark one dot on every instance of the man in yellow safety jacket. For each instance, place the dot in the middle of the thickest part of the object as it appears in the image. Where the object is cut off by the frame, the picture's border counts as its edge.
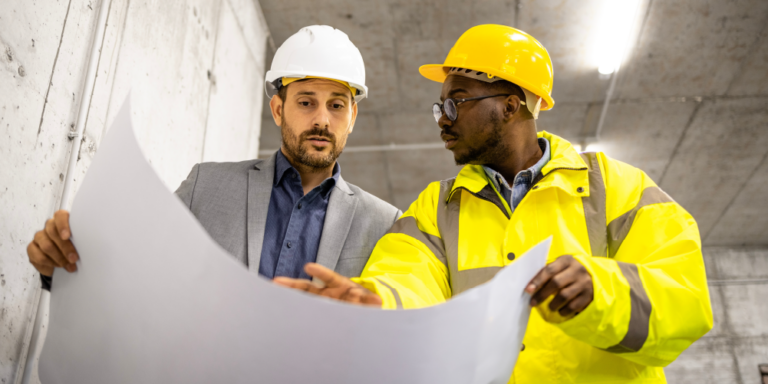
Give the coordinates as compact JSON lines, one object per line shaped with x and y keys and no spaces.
{"x":624,"y":291}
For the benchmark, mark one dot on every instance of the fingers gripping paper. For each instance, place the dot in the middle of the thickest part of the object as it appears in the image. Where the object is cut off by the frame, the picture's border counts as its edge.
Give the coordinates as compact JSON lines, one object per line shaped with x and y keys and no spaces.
{"x":156,"y":300}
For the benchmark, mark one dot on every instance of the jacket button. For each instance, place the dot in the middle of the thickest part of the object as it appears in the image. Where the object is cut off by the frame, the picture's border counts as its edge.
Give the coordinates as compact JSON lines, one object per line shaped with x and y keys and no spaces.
{"x":299,"y":205}
{"x":288,"y":245}
{"x":580,"y":189}
{"x":522,"y":348}
{"x":511,"y":256}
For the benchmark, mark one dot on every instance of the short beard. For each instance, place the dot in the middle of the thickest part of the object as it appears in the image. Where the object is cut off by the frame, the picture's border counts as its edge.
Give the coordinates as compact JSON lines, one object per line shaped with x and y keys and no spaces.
{"x":296,"y":151}
{"x":491,"y":150}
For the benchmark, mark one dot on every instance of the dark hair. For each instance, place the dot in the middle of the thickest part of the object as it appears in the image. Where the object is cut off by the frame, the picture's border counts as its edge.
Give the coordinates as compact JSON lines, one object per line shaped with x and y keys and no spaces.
{"x":282,"y":93}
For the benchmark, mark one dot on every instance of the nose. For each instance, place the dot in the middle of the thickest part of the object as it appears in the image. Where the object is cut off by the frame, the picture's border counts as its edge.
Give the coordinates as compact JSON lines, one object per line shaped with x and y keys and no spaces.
{"x":322,"y":118}
{"x":444,"y":122}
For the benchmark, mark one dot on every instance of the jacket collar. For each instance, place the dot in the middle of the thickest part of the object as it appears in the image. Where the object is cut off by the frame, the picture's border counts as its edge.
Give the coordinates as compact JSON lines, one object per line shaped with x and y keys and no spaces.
{"x":564,"y":156}
{"x":343,"y":186}
{"x":338,"y":221}
{"x":260,"y":180}
{"x":565,"y":170}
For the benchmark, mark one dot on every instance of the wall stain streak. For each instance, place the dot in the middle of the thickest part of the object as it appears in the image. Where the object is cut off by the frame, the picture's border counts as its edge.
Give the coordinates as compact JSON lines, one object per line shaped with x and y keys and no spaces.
{"x":53,"y":70}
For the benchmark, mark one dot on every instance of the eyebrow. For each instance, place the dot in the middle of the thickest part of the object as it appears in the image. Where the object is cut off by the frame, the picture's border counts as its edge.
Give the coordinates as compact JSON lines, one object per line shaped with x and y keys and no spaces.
{"x":453,"y":92}
{"x":458,"y":90}
{"x":311,"y":93}
{"x":340,"y":94}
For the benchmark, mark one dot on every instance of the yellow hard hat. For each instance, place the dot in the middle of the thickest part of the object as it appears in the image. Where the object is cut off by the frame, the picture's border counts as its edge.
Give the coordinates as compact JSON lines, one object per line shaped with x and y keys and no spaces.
{"x":502,"y":51}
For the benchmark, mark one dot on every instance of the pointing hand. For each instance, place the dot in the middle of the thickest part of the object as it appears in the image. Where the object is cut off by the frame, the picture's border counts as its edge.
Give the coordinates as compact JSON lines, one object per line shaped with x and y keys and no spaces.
{"x":336,"y":286}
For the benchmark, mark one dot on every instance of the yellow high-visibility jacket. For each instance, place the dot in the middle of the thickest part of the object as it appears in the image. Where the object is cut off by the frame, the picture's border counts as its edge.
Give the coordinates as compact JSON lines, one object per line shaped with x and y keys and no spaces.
{"x":642,"y":249}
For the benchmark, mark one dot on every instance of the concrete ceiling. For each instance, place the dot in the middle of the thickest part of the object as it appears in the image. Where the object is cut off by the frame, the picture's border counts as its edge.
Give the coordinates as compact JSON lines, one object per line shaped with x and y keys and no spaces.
{"x":690,"y":108}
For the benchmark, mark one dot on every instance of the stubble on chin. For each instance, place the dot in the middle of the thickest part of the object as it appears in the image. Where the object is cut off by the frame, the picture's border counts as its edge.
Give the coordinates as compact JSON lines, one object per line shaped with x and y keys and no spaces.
{"x":301,"y":151}
{"x":490,"y":151}
{"x":487,"y":153}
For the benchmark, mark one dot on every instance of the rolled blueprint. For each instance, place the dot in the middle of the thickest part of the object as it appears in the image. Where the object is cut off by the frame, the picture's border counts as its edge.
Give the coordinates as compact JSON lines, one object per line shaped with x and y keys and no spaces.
{"x":156,"y":300}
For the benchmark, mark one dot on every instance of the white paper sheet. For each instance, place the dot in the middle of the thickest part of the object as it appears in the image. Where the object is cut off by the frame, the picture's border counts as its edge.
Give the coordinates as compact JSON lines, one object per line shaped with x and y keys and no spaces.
{"x":156,"y":300}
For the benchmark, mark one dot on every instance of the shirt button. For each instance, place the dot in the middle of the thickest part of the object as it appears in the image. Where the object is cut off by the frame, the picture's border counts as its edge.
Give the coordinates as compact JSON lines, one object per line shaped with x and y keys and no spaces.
{"x":580,"y":189}
{"x":522,"y":348}
{"x":511,"y":256}
{"x":288,"y":245}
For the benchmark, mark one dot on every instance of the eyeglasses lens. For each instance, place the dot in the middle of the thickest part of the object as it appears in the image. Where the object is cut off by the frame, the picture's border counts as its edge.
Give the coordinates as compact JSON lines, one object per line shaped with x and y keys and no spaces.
{"x":437,"y":112}
{"x":450,"y":109}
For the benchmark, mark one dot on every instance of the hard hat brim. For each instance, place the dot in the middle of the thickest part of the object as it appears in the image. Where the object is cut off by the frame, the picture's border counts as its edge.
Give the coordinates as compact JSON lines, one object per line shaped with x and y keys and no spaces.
{"x":439,"y":72}
{"x":274,"y":75}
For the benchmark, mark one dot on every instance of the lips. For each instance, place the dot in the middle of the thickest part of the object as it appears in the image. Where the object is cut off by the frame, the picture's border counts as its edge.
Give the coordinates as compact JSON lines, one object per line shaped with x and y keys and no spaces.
{"x":318,"y":141}
{"x":449,"y":140}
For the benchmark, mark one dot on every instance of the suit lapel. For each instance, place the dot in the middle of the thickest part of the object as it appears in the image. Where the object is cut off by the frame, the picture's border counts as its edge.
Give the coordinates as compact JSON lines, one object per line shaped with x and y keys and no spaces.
{"x":260,"y":180}
{"x":338,"y":221}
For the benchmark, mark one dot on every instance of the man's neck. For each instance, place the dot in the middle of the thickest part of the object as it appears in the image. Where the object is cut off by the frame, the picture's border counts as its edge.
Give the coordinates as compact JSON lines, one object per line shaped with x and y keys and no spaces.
{"x":310,"y":177}
{"x":524,"y":151}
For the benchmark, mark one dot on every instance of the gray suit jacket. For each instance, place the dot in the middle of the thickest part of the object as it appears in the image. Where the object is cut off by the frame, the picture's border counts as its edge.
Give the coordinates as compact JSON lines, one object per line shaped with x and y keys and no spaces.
{"x":231,"y":201}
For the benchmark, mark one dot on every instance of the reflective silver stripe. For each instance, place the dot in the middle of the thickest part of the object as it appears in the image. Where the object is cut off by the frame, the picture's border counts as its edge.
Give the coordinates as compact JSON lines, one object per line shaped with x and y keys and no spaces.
{"x":619,"y":228}
{"x":594,"y":207}
{"x":640,"y":312}
{"x":398,"y":302}
{"x":470,"y":278}
{"x":408,"y":226}
{"x":448,"y":224}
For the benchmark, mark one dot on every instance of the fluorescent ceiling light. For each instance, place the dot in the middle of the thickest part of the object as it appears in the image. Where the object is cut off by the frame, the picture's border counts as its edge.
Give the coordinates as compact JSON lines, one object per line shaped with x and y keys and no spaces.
{"x":614,"y":34}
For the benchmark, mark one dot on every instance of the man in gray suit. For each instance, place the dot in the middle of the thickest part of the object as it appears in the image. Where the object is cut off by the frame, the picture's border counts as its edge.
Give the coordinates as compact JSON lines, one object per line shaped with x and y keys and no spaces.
{"x":277,"y":215}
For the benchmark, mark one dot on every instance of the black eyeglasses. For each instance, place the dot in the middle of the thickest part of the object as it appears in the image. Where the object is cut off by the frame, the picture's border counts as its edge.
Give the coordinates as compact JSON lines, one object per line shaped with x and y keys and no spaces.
{"x":449,"y":107}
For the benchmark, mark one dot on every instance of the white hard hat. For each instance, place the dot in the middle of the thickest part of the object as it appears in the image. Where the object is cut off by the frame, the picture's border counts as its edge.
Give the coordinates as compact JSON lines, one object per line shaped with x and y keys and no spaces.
{"x":318,"y":51}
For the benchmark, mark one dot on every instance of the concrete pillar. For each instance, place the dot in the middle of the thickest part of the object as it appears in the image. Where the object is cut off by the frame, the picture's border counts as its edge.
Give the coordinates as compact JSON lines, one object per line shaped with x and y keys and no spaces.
{"x":195,"y":72}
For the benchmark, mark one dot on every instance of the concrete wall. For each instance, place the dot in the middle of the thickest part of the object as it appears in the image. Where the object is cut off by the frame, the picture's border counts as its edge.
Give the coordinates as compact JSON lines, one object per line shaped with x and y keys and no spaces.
{"x":194,"y":69}
{"x":732,"y":350}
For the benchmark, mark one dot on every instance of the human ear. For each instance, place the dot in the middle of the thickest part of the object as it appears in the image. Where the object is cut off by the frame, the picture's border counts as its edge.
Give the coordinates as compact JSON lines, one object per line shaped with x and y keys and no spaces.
{"x":354,"y":117}
{"x":512,"y":105}
{"x":276,"y":105}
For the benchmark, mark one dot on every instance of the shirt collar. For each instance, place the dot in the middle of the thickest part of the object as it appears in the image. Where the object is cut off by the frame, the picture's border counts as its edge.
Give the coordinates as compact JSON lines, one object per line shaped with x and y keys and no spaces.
{"x":283,"y":166}
{"x":496,"y":178}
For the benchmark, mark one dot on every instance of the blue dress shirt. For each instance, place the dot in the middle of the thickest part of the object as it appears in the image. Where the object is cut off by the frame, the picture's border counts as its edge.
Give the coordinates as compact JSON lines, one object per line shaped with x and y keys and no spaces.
{"x":523,"y":180}
{"x":294,"y":222}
